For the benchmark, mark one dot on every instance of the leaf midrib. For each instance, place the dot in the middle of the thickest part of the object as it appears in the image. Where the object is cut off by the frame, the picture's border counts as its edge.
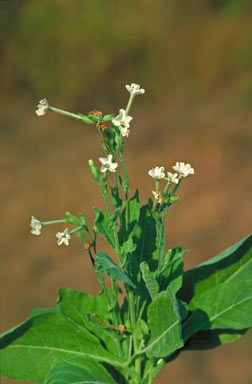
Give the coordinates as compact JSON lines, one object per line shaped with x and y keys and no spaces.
{"x":159,"y":337}
{"x":84,"y":354}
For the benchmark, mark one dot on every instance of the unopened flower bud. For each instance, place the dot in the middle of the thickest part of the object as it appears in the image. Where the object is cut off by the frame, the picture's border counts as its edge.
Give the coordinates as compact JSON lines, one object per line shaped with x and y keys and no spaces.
{"x":95,"y":171}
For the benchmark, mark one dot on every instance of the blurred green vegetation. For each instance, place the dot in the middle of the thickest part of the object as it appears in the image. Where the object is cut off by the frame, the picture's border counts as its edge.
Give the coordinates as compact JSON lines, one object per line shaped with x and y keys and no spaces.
{"x":72,"y":49}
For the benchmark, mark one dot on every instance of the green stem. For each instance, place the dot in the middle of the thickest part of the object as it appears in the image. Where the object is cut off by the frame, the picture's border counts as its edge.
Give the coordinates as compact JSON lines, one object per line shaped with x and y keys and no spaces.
{"x":131,"y":98}
{"x":126,"y":181}
{"x":133,"y":326}
{"x":167,"y":187}
{"x":118,"y":345}
{"x":77,"y":229}
{"x":176,"y":186}
{"x":65,"y":113}
{"x":53,"y":222}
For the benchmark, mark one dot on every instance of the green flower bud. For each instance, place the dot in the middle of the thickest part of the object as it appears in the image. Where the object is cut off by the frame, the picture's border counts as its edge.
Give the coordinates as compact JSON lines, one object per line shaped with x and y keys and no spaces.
{"x":95,"y":171}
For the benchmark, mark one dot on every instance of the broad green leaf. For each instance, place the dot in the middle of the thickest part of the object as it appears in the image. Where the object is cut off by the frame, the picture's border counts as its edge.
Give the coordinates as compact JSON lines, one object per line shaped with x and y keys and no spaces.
{"x":232,"y":265}
{"x":150,"y":280}
{"x":131,"y":216}
{"x":213,"y":338}
{"x":142,"y":330}
{"x":226,"y":306}
{"x":76,"y":304}
{"x":165,"y":325}
{"x":128,"y":246}
{"x":107,"y":265}
{"x":78,"y":371}
{"x":145,"y":238}
{"x":104,"y":226}
{"x":30,"y":350}
{"x":115,"y":197}
{"x":79,"y":307}
{"x":171,"y":273}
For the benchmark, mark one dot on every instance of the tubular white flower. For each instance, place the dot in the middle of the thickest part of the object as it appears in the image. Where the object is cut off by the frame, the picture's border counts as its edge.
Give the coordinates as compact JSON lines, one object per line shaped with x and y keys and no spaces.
{"x":157,"y":173}
{"x":134,"y":89}
{"x":107,"y":164}
{"x":42,"y":107}
{"x":183,"y":169}
{"x":36,"y":226}
{"x":63,"y":237}
{"x":122,"y":122}
{"x":172,"y":178}
{"x":125,"y":131}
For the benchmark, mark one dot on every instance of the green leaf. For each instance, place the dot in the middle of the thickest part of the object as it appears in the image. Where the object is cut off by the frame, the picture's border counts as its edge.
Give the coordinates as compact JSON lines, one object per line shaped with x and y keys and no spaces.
{"x":132,"y":218}
{"x":234,"y":264}
{"x":30,"y":349}
{"x":165,"y":325}
{"x":213,"y":338}
{"x":72,"y":219}
{"x":107,"y":118}
{"x":104,"y":226}
{"x":78,"y":371}
{"x":115,"y":197}
{"x":150,"y":280}
{"x":226,"y":306}
{"x":145,"y":238}
{"x":160,"y":238}
{"x":107,"y":265}
{"x":85,"y":119}
{"x":79,"y":308}
{"x":93,"y":118}
{"x":171,"y":273}
{"x":128,"y":246}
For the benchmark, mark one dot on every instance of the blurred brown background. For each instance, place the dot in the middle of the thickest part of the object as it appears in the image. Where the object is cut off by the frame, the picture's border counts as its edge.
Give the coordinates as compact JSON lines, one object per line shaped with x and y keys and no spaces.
{"x":194,"y":58}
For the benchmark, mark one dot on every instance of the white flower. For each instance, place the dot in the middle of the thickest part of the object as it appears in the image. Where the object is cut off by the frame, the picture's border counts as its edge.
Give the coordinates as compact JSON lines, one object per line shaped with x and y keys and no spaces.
{"x":36,"y":226}
{"x":122,"y":121}
{"x":43,"y":107}
{"x":157,"y":173}
{"x":172,"y":177}
{"x":134,"y":89}
{"x":183,"y":169}
{"x":107,"y":164}
{"x":158,"y":197}
{"x":124,"y":131}
{"x":63,"y":237}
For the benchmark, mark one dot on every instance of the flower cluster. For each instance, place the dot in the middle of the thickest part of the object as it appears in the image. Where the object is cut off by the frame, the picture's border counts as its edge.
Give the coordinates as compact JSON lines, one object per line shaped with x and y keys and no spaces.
{"x":122,"y":122}
{"x":157,"y":173}
{"x":121,"y":127}
{"x":182,"y":169}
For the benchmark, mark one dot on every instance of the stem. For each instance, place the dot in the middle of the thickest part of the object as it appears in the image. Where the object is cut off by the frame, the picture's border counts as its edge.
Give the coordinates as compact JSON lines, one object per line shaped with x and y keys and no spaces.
{"x":118,"y":345}
{"x":77,"y":229}
{"x":62,"y":112}
{"x":126,"y":180}
{"x":176,"y":186}
{"x":133,"y":326}
{"x":131,"y":98}
{"x":117,"y":245}
{"x":53,"y":222}
{"x":167,"y":187}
